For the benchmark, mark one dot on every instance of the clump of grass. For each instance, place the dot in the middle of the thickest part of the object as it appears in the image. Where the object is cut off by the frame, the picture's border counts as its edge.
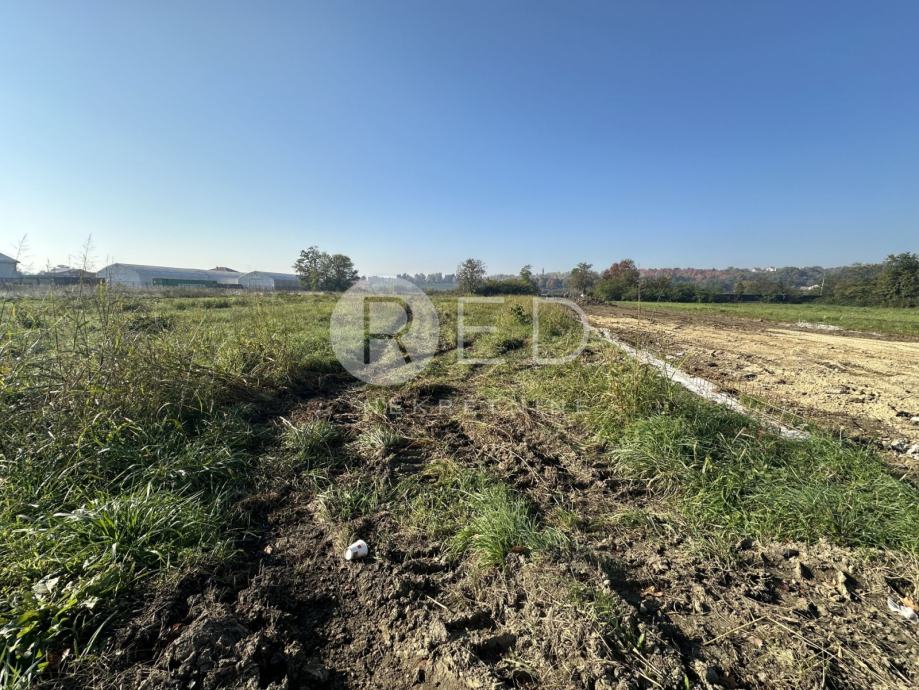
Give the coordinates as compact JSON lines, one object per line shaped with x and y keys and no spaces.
{"x":380,"y":440}
{"x":500,"y":522}
{"x":376,"y":410}
{"x":345,"y":500}
{"x":727,"y":476}
{"x":433,"y":498}
{"x":149,"y":323}
{"x":473,"y":514}
{"x":310,"y":444}
{"x":521,"y":315}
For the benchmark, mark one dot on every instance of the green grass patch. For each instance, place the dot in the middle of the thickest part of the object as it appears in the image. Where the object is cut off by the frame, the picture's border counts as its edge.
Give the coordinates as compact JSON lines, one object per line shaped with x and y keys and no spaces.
{"x":475,"y":515}
{"x":348,"y":498}
{"x":726,"y":475}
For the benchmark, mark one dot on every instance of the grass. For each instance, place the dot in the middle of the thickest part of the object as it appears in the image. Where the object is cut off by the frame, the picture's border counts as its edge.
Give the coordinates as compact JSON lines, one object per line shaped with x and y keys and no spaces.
{"x":613,"y":616}
{"x":735,"y":481}
{"x":474,"y":515}
{"x":726,"y":476}
{"x":379,"y":440}
{"x":345,"y":500}
{"x":134,"y":425}
{"x":311,"y":444}
{"x":887,"y":320}
{"x":500,"y":523}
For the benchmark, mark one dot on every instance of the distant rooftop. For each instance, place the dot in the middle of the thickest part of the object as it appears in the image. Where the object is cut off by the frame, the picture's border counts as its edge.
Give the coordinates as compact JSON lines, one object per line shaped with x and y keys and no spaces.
{"x":8,"y":259}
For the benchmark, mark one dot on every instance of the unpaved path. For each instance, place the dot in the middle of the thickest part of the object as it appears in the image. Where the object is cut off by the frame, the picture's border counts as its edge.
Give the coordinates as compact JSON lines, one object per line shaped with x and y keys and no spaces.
{"x":868,"y":387}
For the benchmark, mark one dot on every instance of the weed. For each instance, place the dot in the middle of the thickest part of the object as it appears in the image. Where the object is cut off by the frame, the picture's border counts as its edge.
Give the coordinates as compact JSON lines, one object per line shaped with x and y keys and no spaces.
{"x":310,"y":444}
{"x":614,"y":617}
{"x":499,"y":523}
{"x":345,"y":500}
{"x":379,"y":441}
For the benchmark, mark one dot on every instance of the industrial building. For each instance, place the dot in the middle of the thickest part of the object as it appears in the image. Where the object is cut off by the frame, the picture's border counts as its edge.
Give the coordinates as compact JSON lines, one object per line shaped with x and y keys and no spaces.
{"x":262,"y":280}
{"x":136,"y":275}
{"x":9,"y":267}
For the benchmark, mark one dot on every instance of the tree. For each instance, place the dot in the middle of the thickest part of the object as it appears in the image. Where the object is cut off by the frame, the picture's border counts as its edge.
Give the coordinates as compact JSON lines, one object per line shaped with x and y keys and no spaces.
{"x":319,"y":271}
{"x":899,"y":280}
{"x":470,"y":275}
{"x":624,"y":271}
{"x":338,"y":273}
{"x":309,"y":267}
{"x":526,"y":274}
{"x":582,"y":278}
{"x":656,"y":289}
{"x":619,"y":281}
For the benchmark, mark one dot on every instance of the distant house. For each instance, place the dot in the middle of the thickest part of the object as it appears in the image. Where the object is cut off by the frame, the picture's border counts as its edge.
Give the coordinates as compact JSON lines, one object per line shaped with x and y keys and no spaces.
{"x":137,"y":275}
{"x":61,"y":271}
{"x":262,"y":280}
{"x":65,"y":275}
{"x":9,"y":267}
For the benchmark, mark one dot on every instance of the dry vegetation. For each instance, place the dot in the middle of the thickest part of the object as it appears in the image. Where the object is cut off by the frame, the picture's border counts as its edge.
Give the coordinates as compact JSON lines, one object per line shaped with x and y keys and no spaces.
{"x":180,"y":476}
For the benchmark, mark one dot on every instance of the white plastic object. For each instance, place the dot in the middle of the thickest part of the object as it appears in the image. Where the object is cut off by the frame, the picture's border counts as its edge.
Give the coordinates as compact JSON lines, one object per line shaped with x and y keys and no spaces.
{"x":357,"y":550}
{"x":905,"y":611}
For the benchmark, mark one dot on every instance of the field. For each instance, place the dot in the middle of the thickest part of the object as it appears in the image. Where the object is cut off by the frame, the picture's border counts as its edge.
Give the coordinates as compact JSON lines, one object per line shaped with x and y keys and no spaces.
{"x":880,"y":320}
{"x":180,"y":477}
{"x":862,"y":385}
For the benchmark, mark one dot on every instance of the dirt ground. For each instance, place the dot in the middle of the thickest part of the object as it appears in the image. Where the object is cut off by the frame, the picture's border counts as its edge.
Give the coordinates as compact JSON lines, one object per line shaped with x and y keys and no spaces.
{"x":292,"y":613}
{"x":865,"y":386}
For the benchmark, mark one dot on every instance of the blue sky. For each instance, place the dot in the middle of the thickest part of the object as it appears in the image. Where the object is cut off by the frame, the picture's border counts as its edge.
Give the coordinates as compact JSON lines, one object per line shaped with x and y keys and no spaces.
{"x":411,"y":135}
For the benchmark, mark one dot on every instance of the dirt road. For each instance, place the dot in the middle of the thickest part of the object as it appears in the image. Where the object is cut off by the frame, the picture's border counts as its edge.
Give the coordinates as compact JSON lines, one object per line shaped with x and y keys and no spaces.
{"x":867,"y":387}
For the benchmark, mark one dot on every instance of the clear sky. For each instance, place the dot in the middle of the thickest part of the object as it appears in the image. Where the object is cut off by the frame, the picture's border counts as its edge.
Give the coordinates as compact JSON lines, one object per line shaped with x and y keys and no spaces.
{"x":411,"y":135}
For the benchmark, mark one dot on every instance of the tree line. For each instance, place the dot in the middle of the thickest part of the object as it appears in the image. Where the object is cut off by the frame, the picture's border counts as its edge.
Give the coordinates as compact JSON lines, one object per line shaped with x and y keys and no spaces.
{"x":895,"y":282}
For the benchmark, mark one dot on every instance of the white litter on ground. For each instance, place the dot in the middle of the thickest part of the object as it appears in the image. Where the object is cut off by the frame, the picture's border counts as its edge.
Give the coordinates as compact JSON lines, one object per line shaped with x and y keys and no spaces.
{"x":701,"y":387}
{"x":818,"y":326}
{"x":905,"y":611}
{"x":357,"y":550}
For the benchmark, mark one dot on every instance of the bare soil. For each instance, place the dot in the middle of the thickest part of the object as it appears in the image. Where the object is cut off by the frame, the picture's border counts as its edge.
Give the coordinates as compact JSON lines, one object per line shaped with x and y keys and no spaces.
{"x":291,"y":613}
{"x":864,"y":386}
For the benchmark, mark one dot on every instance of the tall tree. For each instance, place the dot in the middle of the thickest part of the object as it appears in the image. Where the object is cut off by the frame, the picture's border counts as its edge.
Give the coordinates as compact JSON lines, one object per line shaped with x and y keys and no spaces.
{"x":309,"y":267}
{"x":338,"y":273}
{"x":619,"y":281}
{"x":625,"y":271}
{"x":470,"y":275}
{"x":319,"y":271}
{"x":899,"y":280}
{"x":526,"y":274}
{"x":582,"y":278}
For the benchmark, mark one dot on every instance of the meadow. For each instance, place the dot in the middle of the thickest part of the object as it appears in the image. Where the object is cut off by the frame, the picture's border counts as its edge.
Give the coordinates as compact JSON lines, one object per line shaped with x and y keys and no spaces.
{"x":146,"y":437}
{"x":883,"y":320}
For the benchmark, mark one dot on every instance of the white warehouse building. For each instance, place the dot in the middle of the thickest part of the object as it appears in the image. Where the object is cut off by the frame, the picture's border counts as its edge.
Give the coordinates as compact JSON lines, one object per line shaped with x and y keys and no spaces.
{"x":262,"y":280}
{"x":8,"y":267}
{"x":136,"y":275}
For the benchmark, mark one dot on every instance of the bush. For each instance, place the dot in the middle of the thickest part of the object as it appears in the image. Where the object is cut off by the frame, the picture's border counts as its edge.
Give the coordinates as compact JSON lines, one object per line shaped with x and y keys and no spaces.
{"x":508,"y":286}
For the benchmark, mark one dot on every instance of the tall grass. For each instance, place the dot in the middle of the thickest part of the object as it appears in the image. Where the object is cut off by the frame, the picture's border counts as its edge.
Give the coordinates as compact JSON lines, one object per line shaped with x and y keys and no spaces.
{"x":128,"y":434}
